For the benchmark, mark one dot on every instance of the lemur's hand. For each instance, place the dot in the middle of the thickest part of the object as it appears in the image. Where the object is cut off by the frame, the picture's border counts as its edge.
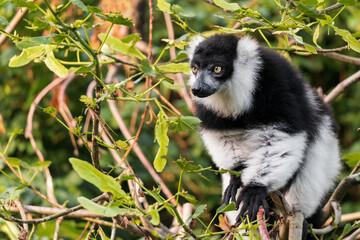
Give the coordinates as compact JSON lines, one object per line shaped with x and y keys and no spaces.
{"x":231,"y":190}
{"x":252,"y":198}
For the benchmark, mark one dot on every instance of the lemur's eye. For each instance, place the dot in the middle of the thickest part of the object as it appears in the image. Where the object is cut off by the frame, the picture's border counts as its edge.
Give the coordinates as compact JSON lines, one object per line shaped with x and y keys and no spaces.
{"x":194,"y":69}
{"x":217,"y":69}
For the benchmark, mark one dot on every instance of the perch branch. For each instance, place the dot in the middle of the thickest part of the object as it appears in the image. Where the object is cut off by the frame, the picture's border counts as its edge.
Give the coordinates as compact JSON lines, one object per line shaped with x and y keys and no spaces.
{"x":340,"y":192}
{"x":337,"y":212}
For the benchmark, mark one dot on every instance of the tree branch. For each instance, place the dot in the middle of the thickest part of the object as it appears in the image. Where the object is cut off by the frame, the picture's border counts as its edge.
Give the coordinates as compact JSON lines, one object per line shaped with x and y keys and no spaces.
{"x":340,"y":192}
{"x":330,"y":9}
{"x":340,"y":88}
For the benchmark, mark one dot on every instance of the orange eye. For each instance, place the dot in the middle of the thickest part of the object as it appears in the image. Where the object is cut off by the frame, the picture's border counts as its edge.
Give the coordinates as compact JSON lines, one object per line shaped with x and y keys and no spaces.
{"x":217,"y":69}
{"x":194,"y":69}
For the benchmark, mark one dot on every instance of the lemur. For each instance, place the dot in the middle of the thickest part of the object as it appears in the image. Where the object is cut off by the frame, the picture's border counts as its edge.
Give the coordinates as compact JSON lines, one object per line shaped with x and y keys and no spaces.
{"x":261,"y":118}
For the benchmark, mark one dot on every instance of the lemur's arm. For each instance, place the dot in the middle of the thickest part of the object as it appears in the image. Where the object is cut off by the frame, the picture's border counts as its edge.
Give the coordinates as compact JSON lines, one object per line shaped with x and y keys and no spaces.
{"x":275,"y":161}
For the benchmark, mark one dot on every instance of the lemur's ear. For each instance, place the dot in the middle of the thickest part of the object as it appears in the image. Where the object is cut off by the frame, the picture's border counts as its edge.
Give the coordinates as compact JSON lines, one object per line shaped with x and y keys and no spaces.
{"x":194,"y":42}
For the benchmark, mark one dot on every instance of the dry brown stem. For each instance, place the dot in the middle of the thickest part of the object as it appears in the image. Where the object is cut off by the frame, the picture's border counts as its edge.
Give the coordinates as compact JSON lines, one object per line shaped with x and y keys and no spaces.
{"x":28,"y":134}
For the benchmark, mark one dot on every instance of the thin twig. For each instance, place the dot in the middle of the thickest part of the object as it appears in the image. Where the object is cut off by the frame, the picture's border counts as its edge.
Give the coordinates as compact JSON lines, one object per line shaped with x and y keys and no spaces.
{"x":341,"y":57}
{"x":28,"y":134}
{"x":337,"y":212}
{"x":57,"y":227}
{"x":51,"y":217}
{"x":354,"y":235}
{"x":330,"y":9}
{"x":125,"y":131}
{"x":340,"y":192}
{"x":14,"y":22}
{"x":179,"y":78}
{"x":22,"y":213}
{"x":340,"y":88}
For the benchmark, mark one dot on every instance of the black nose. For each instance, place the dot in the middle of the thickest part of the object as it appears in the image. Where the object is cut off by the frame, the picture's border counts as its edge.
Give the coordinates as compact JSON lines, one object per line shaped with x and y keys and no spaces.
{"x":201,"y":92}
{"x":196,"y":91}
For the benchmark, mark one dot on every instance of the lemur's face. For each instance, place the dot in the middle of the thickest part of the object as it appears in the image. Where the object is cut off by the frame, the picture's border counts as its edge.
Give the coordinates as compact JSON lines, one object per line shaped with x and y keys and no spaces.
{"x":212,"y":65}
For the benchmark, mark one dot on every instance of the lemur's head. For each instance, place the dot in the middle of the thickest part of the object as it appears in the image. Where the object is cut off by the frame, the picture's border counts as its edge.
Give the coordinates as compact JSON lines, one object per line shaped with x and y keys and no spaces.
{"x":224,"y":70}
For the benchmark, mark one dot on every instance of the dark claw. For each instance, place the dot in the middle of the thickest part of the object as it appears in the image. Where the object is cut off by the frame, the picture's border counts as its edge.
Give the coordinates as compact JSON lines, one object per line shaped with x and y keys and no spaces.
{"x":252,"y":198}
{"x":231,"y":190}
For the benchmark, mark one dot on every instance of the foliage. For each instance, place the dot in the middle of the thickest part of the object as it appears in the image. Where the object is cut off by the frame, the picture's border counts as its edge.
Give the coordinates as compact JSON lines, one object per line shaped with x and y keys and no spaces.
{"x":152,"y":119}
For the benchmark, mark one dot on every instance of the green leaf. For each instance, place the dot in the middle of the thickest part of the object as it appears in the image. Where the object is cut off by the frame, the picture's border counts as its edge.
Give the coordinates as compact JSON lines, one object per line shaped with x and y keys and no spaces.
{"x":50,"y":110}
{"x":104,"y":182}
{"x":175,"y":68}
{"x":154,"y":213}
{"x":310,"y":48}
{"x":309,"y":2}
{"x":351,"y":159}
{"x":316,"y":34}
{"x":172,"y":86}
{"x":161,"y":129}
{"x":27,"y":55}
{"x":164,"y":6}
{"x":185,"y":123}
{"x":54,"y":65}
{"x":226,"y":208}
{"x":107,"y":211}
{"x":121,"y":144}
{"x":120,"y":46}
{"x":187,"y":166}
{"x":199,"y":210}
{"x":37,"y":24}
{"x":227,"y":6}
{"x":31,"y":6}
{"x":39,"y":166}
{"x":116,"y":18}
{"x":347,"y":2}
{"x":95,"y":9}
{"x":80,"y":4}
{"x":14,"y":162}
{"x":347,"y":37}
{"x":3,"y":21}
{"x":2,"y":189}
{"x":146,"y":67}
{"x":27,"y":42}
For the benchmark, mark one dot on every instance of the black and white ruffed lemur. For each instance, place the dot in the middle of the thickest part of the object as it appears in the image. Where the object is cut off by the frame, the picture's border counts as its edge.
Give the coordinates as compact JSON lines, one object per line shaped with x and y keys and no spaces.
{"x":261,"y":118}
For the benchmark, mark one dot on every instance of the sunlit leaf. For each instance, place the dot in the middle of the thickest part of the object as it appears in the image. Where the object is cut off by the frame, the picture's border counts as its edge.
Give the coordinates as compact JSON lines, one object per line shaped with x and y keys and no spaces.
{"x":316,"y":35}
{"x":161,"y":129}
{"x":80,"y":4}
{"x":120,"y":46}
{"x":50,"y":110}
{"x":2,"y":189}
{"x":164,"y":6}
{"x":104,"y":182}
{"x":227,"y":6}
{"x":199,"y":210}
{"x":226,"y":208}
{"x":3,"y":21}
{"x":39,"y":166}
{"x":154,"y":214}
{"x":27,"y":55}
{"x":347,"y":37}
{"x":351,"y":159}
{"x":14,"y":162}
{"x":54,"y":65}
{"x":107,"y":211}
